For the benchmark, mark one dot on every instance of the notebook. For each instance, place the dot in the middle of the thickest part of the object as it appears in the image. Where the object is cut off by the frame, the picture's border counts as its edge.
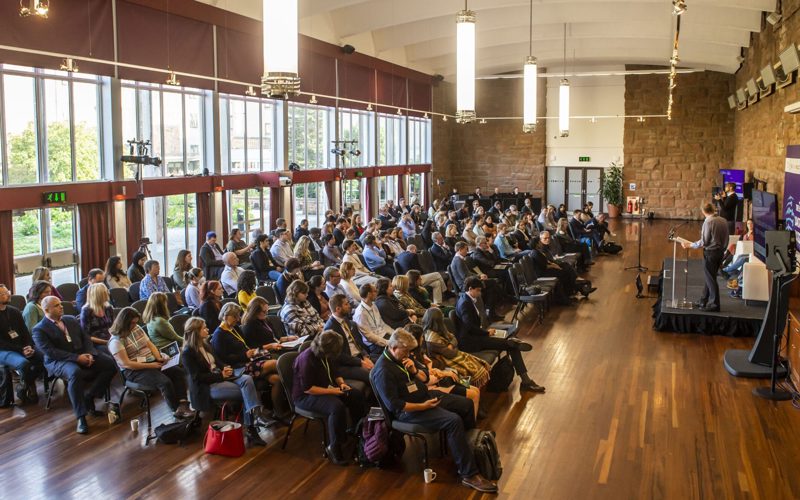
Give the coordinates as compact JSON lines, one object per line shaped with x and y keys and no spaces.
{"x":500,"y":334}
{"x":294,"y":343}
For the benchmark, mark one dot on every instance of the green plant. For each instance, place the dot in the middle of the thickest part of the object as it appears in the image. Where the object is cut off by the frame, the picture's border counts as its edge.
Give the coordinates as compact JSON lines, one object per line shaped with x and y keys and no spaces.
{"x":612,"y":184}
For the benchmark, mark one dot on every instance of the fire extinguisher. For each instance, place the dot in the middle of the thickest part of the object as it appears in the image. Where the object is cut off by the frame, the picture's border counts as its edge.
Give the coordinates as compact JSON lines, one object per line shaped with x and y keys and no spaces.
{"x":630,"y":206}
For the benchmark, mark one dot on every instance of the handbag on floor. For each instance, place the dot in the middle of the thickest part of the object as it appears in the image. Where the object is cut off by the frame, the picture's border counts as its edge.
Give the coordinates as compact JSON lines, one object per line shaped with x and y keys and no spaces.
{"x":487,"y":458}
{"x":501,"y":376}
{"x":224,"y":438}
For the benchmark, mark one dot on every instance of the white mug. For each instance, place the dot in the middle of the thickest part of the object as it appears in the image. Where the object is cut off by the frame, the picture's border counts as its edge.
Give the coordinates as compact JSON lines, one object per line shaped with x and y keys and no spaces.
{"x":135,"y":425}
{"x":430,"y":476}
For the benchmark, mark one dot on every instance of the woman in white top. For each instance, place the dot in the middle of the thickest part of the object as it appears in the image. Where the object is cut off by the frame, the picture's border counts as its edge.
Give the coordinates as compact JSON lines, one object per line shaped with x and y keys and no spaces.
{"x":116,"y":276}
{"x":348,"y":270}
{"x":469,"y":234}
{"x":194,"y":280}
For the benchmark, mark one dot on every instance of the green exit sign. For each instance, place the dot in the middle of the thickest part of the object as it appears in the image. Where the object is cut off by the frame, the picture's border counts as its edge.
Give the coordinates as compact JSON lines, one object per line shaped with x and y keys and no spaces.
{"x":584,"y":158}
{"x":52,"y":197}
{"x":359,"y":173}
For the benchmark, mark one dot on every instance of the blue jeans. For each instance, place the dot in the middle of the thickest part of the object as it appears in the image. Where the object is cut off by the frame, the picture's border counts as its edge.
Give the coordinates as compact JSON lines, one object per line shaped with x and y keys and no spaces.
{"x":737,"y":265}
{"x":274,"y":275}
{"x":29,"y":368}
{"x":239,"y":389}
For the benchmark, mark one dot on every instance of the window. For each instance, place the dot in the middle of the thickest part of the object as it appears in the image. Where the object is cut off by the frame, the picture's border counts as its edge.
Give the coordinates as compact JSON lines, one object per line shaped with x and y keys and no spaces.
{"x":351,"y":193}
{"x":391,"y":139}
{"x":247,"y":133}
{"x":310,"y":134}
{"x":173,"y":120}
{"x":44,"y":237}
{"x":248,"y":209}
{"x":171,"y":224}
{"x":51,"y":123}
{"x":387,"y":189}
{"x":419,"y":141}
{"x":310,"y":202}
{"x":415,"y":189}
{"x":358,"y":126}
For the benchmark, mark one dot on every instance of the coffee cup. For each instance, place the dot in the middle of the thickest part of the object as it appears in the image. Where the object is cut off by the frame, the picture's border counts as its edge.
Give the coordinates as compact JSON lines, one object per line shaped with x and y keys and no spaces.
{"x":430,"y":475}
{"x":135,"y":425}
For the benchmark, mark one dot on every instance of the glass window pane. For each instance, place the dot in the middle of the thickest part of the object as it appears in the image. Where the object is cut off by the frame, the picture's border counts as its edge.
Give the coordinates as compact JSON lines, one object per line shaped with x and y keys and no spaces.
{"x":299,"y":202}
{"x":87,"y":131}
{"x":27,"y":235}
{"x":265,"y":210}
{"x":253,"y":143}
{"x":268,"y":136}
{"x":129,"y":125}
{"x":237,"y":210}
{"x":191,"y":224}
{"x":59,"y":148}
{"x":194,"y":134}
{"x":154,"y":229}
{"x":20,"y":113}
{"x":237,"y":137}
{"x":253,"y":209}
{"x":61,"y":229}
{"x":173,"y":133}
{"x":150,"y":113}
{"x":176,"y":229}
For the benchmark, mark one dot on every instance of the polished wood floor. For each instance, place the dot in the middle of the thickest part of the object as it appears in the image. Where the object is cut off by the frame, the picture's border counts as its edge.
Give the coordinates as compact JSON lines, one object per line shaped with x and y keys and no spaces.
{"x":629,"y":413}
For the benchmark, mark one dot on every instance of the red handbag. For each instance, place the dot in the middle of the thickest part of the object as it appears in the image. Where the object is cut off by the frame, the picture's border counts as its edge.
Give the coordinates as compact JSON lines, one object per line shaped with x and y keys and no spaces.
{"x":224,"y":438}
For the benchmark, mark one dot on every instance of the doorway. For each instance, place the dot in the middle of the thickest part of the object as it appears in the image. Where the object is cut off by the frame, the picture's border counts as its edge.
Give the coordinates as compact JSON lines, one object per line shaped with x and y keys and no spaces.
{"x":45,"y":237}
{"x":574,"y":187}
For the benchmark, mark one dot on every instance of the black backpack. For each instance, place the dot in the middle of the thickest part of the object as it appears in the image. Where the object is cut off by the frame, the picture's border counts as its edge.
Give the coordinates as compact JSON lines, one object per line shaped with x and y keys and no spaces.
{"x":177,"y":432}
{"x":487,"y":458}
{"x":501,"y":376}
{"x":6,"y":387}
{"x":611,"y":247}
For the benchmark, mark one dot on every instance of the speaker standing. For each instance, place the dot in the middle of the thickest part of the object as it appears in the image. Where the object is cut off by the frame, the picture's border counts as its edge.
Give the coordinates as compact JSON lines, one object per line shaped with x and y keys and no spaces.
{"x":713,"y":240}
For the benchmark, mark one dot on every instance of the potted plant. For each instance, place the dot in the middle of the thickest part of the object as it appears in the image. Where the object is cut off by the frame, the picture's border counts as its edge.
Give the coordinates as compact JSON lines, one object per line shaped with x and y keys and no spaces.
{"x":612,"y":189}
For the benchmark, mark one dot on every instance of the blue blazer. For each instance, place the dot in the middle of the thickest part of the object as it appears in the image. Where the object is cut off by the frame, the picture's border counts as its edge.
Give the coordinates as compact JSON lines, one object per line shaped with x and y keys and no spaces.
{"x":54,"y":345}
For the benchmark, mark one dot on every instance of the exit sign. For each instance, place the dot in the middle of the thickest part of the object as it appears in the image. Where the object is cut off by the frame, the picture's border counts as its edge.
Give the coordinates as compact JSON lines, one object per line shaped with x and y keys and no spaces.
{"x":359,"y":173}
{"x":584,"y":158}
{"x":52,"y":197}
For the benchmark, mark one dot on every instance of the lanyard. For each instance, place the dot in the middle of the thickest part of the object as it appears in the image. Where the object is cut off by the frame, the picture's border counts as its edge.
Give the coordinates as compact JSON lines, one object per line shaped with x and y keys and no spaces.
{"x":328,"y":369}
{"x":398,"y":365}
{"x":236,"y":334}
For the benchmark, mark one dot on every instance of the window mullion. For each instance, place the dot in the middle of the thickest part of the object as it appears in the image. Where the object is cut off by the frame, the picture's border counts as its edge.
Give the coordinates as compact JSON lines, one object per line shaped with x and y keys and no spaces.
{"x":185,"y":137}
{"x":3,"y":143}
{"x":41,"y":128}
{"x":71,"y":108}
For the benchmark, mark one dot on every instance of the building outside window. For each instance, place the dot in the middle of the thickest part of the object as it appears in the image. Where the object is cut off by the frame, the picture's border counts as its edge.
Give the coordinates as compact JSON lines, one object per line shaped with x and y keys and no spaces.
{"x":310,"y":202}
{"x":248,"y":209}
{"x":391,"y":139}
{"x":248,"y":132}
{"x":310,"y":133}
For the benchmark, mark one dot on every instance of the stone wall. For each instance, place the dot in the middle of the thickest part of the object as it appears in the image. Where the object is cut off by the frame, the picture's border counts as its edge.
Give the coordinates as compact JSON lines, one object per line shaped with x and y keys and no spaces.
{"x":763,"y":130}
{"x":675,"y":163}
{"x":495,"y":154}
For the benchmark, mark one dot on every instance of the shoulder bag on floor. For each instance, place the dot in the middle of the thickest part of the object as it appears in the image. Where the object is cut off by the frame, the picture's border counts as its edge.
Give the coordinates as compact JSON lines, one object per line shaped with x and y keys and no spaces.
{"x":501,"y":376}
{"x":487,"y":458}
{"x":225,"y":438}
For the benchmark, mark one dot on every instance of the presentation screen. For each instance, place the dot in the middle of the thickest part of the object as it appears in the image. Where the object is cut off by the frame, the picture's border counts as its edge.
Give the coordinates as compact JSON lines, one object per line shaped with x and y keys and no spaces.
{"x":765,"y":218}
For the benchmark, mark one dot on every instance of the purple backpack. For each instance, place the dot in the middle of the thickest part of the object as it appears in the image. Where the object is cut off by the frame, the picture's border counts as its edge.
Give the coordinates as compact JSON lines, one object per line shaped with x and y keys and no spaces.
{"x":375,"y":438}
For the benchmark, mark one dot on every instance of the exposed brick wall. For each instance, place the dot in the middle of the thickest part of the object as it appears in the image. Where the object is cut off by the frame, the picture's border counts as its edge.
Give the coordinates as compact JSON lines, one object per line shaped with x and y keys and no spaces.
{"x":763,"y":130}
{"x":497,"y":153}
{"x":675,"y":163}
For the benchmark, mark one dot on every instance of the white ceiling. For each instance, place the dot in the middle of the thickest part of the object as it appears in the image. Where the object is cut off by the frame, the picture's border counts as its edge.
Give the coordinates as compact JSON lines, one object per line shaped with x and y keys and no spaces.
{"x":421,"y":33}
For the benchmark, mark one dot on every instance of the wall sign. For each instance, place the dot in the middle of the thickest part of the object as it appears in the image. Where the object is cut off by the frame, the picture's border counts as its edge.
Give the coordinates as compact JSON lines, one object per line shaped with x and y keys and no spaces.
{"x":54,"y":197}
{"x":584,"y":158}
{"x":632,"y":186}
{"x":791,"y":190}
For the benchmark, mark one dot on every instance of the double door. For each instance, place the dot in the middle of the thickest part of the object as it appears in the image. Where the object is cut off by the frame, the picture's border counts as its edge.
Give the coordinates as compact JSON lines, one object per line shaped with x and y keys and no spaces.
{"x":45,"y":237}
{"x":574,"y":187}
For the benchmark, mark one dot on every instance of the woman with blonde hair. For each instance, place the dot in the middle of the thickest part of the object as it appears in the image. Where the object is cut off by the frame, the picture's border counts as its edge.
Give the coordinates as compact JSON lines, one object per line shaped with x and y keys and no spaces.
{"x":400,"y":283}
{"x":97,"y":315}
{"x":156,"y":315}
{"x":468,"y":234}
{"x":42,"y":273}
{"x":347,"y":271}
{"x":302,"y":252}
{"x":297,"y":313}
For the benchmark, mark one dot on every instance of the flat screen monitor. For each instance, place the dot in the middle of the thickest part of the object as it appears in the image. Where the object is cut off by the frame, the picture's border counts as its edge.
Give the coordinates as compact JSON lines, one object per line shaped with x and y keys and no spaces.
{"x":735,"y":176}
{"x":765,"y":218}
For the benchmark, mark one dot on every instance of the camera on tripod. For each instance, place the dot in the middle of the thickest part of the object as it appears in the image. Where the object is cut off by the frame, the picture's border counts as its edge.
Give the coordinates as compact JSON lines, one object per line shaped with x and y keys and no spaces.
{"x":144,"y":246}
{"x":138,"y":154}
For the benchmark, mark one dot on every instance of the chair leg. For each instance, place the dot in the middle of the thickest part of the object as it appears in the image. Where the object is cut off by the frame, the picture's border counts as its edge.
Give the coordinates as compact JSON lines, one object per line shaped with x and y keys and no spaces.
{"x":324,"y":438}
{"x":150,"y":433}
{"x":288,"y":431}
{"x":122,"y":399}
{"x":516,"y":312}
{"x":50,"y":393}
{"x":305,"y":429}
{"x":424,"y":449}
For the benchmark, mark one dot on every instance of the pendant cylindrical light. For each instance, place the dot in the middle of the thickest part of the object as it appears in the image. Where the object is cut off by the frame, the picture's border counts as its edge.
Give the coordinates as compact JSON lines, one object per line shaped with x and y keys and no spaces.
{"x":280,"y":79}
{"x":563,"y":108}
{"x":529,"y":75}
{"x":465,"y":66}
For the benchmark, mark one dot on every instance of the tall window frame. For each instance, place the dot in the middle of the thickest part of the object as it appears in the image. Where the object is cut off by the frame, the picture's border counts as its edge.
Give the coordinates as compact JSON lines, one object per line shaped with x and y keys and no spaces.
{"x":358,"y":125}
{"x":310,"y":201}
{"x":249,"y":209}
{"x":310,"y":129}
{"x":171,"y":224}
{"x":258,"y":127}
{"x":419,"y":140}
{"x":391,"y":139}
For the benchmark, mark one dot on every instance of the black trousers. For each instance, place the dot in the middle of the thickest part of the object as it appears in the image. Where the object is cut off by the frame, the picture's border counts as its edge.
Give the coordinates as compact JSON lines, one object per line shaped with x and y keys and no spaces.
{"x":336,"y":408}
{"x":476,"y":344}
{"x":712,"y":260}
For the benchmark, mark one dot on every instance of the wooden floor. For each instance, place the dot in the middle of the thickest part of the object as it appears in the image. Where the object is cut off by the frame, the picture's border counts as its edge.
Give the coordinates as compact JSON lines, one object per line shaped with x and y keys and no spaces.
{"x":629,"y":413}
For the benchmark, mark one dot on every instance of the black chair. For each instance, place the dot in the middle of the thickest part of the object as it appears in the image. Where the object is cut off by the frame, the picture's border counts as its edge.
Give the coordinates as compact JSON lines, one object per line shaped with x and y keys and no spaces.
{"x":50,"y":387}
{"x":170,"y":283}
{"x":119,"y":297}
{"x":267,"y":293}
{"x":397,"y":269}
{"x":490,"y":356}
{"x":278,"y":296}
{"x":277,"y":326}
{"x":68,"y":291}
{"x":139,"y":305}
{"x":426,"y":262}
{"x":18,"y":301}
{"x":523,"y":297}
{"x":172,"y":303}
{"x":178,"y":321}
{"x":143,"y":391}
{"x":70,"y":309}
{"x":286,"y":374}
{"x":133,"y":291}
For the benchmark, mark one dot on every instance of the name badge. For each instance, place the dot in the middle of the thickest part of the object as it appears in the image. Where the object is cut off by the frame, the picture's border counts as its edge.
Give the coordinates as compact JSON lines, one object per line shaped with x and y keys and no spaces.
{"x":13,"y":334}
{"x":412,"y":387}
{"x":141,"y":359}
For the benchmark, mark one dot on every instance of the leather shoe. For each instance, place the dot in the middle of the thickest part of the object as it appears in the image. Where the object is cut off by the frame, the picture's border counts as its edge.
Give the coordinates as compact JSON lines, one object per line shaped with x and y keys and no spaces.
{"x":335,"y":455}
{"x":520,"y":345}
{"x":91,"y":410}
{"x":479,"y":483}
{"x":83,"y":427}
{"x":531,"y":386}
{"x":699,"y":304}
{"x":253,"y":438}
{"x":710,"y":308}
{"x":587,"y":290}
{"x":22,"y":393}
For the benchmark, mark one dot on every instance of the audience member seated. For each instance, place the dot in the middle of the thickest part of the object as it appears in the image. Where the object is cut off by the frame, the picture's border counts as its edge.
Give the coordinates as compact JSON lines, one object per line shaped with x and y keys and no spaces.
{"x":468,"y":234}
{"x":339,"y":231}
{"x":136,"y":269}
{"x":392,"y":312}
{"x":298,"y":315}
{"x":400,"y":286}
{"x":442,"y":347}
{"x":579,"y":230}
{"x":156,"y":317}
{"x":301,"y":230}
{"x":570,"y":244}
{"x":69,"y":353}
{"x":331,"y":254}
{"x":94,"y":276}
{"x":362,"y":272}
{"x":17,"y":350}
{"x":442,"y":254}
{"x":211,"y":379}
{"x":280,"y":225}
{"x":566,"y":274}
{"x":505,"y":247}
{"x":282,"y":250}
{"x":308,"y":264}
{"x":257,"y":330}
{"x":230,"y":275}
{"x":463,"y":267}
{"x":555,"y":253}
{"x":263,"y":263}
{"x":33,"y":312}
{"x":211,"y":255}
{"x":409,"y":260}
{"x":289,"y":275}
{"x":354,"y":361}
{"x":472,"y":337}
{"x":334,"y":286}
{"x":115,"y":274}
{"x":152,"y":282}
{"x":393,"y":243}
{"x":376,"y":257}
{"x":347,"y":271}
{"x":247,"y":288}
{"x":451,"y":234}
{"x":42,"y":273}
{"x":320,"y":387}
{"x":193,"y":279}
{"x":183,"y":264}
{"x":407,"y":225}
{"x":97,"y":315}
{"x":211,"y":293}
{"x":140,"y":361}
{"x":318,"y":298}
{"x":374,"y":332}
{"x":407,"y":398}
{"x":240,"y":248}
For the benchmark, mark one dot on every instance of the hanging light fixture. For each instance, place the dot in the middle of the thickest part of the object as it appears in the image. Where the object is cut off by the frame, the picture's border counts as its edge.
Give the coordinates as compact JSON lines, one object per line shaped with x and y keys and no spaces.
{"x":369,"y":107}
{"x":529,"y":75}
{"x":563,"y":95}
{"x":465,"y":65}
{"x":279,"y":21}
{"x":313,"y":99}
{"x":69,"y":65}
{"x":172,"y":79}
{"x":250,"y":91}
{"x":38,"y":8}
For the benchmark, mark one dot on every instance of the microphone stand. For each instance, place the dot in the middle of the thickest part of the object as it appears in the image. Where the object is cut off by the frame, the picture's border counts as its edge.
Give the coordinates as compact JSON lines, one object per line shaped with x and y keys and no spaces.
{"x":639,"y":267}
{"x":683,"y":303}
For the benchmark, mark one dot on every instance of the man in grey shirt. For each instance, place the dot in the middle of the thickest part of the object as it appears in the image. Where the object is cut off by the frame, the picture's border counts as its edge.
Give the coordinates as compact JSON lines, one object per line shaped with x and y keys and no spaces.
{"x":713,"y":240}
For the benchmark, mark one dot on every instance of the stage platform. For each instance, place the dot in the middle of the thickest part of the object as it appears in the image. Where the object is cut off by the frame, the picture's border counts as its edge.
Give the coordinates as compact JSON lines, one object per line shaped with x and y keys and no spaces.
{"x":735,"y":318}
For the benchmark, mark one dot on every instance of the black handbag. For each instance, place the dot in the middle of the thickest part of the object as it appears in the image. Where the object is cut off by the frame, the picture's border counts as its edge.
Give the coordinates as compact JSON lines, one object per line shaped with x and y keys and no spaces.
{"x":177,"y":432}
{"x":501,"y":376}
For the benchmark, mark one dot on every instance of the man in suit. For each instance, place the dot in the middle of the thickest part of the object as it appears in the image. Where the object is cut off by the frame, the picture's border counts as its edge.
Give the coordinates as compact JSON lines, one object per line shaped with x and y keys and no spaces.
{"x":472,"y":337}
{"x":353,"y":362}
{"x":69,"y":353}
{"x":409,"y":260}
{"x":94,"y":276}
{"x":211,"y":254}
{"x":441,"y":253}
{"x":728,"y":203}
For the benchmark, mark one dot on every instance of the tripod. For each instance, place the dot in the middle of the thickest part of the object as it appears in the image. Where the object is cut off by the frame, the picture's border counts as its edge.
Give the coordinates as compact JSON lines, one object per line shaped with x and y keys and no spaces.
{"x":639,"y":267}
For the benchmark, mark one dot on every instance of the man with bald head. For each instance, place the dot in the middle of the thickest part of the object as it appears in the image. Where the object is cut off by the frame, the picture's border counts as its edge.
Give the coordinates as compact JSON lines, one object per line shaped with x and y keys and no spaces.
{"x":70,"y":354}
{"x":230,"y":275}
